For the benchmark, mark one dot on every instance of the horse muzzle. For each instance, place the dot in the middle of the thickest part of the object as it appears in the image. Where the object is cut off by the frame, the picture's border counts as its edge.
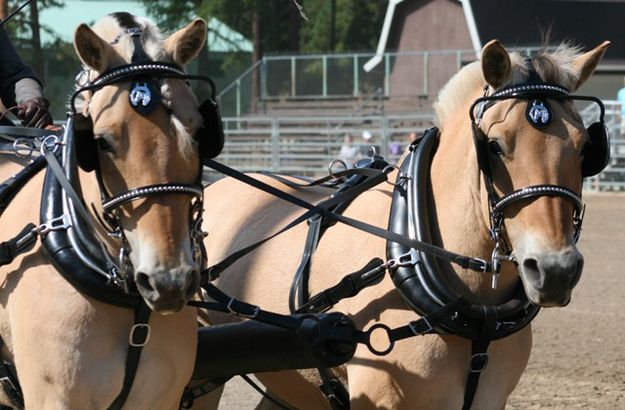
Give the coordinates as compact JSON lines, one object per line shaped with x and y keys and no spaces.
{"x":168,"y":291}
{"x":550,"y":276}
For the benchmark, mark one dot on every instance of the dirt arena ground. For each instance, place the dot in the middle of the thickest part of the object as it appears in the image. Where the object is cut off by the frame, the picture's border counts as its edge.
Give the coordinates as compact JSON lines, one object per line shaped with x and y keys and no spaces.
{"x":578,"y":358}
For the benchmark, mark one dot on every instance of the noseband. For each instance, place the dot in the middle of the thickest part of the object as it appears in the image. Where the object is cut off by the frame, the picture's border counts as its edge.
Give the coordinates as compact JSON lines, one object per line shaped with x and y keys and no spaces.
{"x":539,"y":115}
{"x":144,"y":98}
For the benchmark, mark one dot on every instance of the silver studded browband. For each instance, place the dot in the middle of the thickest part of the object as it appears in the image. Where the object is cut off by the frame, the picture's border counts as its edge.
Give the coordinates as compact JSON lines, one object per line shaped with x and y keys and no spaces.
{"x":156,"y":69}
{"x":534,"y":89}
{"x":536,"y":191}
{"x":150,"y":190}
{"x":133,"y":71}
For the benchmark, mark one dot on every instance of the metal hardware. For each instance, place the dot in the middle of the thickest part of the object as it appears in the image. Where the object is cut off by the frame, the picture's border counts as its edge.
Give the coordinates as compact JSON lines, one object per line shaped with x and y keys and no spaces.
{"x":237,"y":313}
{"x":50,"y":144}
{"x":484,"y":265}
{"x":6,"y":381}
{"x":115,"y":278}
{"x":57,"y":224}
{"x":134,"y":31}
{"x":23,"y":147}
{"x":417,"y":332}
{"x":479,"y":362}
{"x":331,"y":166}
{"x":410,"y":258}
{"x":134,"y":328}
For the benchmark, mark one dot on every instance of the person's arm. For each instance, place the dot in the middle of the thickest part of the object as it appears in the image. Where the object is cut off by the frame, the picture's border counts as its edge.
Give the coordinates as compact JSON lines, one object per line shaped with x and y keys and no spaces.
{"x":19,"y":86}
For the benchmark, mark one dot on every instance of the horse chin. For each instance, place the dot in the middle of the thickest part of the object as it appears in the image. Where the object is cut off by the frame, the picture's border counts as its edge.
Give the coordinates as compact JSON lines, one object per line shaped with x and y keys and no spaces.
{"x":547,"y":298}
{"x":168,"y":307}
{"x":549,"y":276}
{"x":169,"y":291}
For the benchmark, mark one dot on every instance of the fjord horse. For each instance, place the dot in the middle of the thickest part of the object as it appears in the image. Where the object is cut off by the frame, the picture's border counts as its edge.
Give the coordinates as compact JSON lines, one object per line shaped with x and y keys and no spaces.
{"x":69,"y":349}
{"x":430,"y":372}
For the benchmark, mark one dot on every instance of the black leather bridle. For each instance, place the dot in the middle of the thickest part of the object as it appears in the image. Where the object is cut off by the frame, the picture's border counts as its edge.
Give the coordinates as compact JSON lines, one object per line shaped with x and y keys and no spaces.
{"x":140,"y":70}
{"x":497,"y":204}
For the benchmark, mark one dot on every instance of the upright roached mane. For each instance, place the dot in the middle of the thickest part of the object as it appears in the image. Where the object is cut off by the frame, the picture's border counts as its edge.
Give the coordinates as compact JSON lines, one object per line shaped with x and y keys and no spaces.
{"x":556,"y":66}
{"x":183,"y":124}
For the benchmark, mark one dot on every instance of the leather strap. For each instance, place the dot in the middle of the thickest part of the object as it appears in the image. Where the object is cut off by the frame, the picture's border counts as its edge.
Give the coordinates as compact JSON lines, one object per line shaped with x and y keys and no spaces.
{"x":322,"y":209}
{"x":10,"y":383}
{"x":479,"y":355}
{"x":22,"y":242}
{"x":333,"y":390}
{"x":138,"y":337}
{"x":299,"y":287}
{"x":348,"y":287}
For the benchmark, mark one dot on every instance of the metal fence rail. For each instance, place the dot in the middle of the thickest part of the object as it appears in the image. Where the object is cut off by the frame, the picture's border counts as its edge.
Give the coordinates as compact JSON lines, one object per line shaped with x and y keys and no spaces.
{"x":341,"y":75}
{"x":307,"y":145}
{"x":613,"y":177}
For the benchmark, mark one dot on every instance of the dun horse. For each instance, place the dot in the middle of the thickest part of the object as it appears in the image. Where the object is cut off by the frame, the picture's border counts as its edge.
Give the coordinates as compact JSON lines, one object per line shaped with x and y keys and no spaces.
{"x":69,"y":348}
{"x":523,"y":150}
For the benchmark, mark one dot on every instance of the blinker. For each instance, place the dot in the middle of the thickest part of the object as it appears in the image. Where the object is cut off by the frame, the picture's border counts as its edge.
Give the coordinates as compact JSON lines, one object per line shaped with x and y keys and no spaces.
{"x":144,"y":98}
{"x":538,"y":113}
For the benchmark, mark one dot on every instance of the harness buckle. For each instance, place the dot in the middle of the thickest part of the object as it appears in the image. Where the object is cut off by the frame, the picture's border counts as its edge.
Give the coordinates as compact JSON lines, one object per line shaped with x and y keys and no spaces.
{"x":134,"y":31}
{"x":142,"y":340}
{"x":241,"y":314}
{"x":479,"y":362}
{"x":417,"y":327}
{"x":483,"y":265}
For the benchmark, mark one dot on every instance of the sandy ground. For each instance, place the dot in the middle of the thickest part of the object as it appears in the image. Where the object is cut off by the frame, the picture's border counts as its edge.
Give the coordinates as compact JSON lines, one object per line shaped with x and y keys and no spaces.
{"x":578,"y":358}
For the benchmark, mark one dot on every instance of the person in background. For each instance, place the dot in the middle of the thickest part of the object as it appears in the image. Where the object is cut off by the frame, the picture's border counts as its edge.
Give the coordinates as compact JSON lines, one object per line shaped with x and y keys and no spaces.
{"x":349,"y":151}
{"x":368,"y":143}
{"x":20,"y":89}
{"x":620,"y":97}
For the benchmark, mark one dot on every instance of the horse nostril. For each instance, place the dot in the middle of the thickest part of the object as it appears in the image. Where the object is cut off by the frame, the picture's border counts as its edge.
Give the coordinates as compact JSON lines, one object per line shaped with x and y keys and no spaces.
{"x":143,"y":281}
{"x":531,"y":270}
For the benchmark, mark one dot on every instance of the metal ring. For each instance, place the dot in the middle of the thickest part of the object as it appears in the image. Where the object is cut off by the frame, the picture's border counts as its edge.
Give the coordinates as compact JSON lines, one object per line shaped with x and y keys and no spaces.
{"x":336,"y":161}
{"x":390,"y":168}
{"x":23,"y":147}
{"x":49,"y":144}
{"x":391,"y":342}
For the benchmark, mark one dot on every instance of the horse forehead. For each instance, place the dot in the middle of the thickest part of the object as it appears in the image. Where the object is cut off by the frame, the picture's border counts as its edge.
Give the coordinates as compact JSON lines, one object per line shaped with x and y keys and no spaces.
{"x":508,"y":117}
{"x":110,"y":110}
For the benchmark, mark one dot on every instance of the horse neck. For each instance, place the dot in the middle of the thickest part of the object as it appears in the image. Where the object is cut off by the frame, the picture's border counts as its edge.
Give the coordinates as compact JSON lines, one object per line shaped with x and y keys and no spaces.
{"x":459,"y":203}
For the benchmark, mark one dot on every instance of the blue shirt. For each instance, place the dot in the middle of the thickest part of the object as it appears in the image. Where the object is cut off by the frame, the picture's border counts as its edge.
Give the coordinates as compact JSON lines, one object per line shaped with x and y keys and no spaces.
{"x":620,"y":97}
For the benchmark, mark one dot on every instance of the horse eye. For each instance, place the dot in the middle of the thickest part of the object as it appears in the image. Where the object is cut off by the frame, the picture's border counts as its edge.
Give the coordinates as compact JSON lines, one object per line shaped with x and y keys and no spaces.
{"x":104,"y":145}
{"x":495,"y":148}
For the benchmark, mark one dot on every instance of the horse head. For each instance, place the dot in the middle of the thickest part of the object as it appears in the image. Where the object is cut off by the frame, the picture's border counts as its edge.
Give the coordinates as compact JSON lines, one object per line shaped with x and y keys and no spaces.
{"x":533,"y":150}
{"x":145,"y":139}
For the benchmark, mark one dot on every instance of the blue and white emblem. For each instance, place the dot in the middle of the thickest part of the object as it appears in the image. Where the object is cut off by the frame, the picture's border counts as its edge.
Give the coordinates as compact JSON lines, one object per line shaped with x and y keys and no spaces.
{"x":144,"y":97}
{"x":140,"y":95}
{"x":538,"y":113}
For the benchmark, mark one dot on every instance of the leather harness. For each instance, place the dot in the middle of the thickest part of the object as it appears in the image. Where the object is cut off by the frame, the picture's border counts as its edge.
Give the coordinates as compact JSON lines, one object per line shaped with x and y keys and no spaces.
{"x":412,"y":261}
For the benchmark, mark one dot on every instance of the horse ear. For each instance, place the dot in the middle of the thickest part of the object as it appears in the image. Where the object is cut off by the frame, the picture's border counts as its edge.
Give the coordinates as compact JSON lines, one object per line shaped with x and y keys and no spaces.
{"x":185,"y":44}
{"x":587,"y":62}
{"x":92,"y":50}
{"x":496,"y":65}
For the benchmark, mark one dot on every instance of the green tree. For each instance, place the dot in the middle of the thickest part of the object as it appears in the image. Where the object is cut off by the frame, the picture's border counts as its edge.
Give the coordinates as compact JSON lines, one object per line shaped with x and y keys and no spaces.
{"x":357,"y":25}
{"x":26,"y":30}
